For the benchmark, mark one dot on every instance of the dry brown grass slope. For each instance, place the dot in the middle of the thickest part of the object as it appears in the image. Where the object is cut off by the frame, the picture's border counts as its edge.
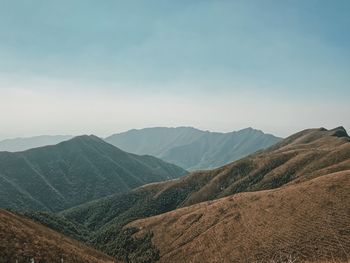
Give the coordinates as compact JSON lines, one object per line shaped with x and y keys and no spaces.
{"x":300,"y":157}
{"x":309,"y":172}
{"x":308,"y":220}
{"x":21,"y":239}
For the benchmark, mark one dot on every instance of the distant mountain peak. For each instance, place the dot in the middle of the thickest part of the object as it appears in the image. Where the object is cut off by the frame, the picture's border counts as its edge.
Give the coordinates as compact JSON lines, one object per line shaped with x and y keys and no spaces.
{"x":87,"y":138}
{"x":72,"y":172}
{"x":250,"y":129}
{"x":191,"y":148}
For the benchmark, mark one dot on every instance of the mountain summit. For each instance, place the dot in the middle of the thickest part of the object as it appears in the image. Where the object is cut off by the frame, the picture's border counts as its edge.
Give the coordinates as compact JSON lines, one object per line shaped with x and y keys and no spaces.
{"x":73,"y":172}
{"x":191,"y":148}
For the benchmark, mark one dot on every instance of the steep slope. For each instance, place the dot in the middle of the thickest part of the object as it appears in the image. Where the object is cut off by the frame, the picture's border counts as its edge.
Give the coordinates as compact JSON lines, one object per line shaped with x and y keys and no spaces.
{"x":21,"y":239}
{"x":300,"y":157}
{"x":193,"y":149}
{"x":82,"y":169}
{"x":22,"y":144}
{"x":307,"y":221}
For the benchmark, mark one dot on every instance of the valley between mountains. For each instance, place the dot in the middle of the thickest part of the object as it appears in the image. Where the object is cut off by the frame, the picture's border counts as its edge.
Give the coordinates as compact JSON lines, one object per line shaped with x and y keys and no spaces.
{"x":285,"y":202}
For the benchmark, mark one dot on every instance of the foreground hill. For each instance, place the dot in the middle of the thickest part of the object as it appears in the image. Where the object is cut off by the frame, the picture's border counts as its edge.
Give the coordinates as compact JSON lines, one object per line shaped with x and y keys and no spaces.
{"x":22,"y":144}
{"x":308,"y":221}
{"x":299,"y":158}
{"x":21,"y":239}
{"x":85,"y":168}
{"x":193,"y":149}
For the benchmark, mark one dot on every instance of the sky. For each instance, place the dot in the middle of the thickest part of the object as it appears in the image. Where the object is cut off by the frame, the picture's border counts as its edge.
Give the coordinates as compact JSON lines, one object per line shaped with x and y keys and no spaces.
{"x":101,"y":67}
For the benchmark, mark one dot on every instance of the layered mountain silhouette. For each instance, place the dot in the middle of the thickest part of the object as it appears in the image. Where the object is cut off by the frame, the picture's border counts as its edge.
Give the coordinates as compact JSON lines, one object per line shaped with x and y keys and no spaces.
{"x":85,"y":168}
{"x":187,"y":147}
{"x":254,"y":209}
{"x":193,"y":149}
{"x":22,"y":144}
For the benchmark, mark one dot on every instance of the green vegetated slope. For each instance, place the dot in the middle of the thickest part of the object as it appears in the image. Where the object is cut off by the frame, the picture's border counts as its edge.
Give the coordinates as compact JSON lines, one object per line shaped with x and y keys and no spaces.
{"x":193,"y":149}
{"x":301,"y":157}
{"x":73,"y":172}
{"x":60,"y":224}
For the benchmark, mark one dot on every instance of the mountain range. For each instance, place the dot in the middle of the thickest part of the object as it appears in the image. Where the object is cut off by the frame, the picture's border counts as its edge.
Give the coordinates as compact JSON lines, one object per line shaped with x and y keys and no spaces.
{"x":22,"y":144}
{"x":256,"y":209}
{"x":187,"y":147}
{"x":82,"y":169}
{"x":193,"y":149}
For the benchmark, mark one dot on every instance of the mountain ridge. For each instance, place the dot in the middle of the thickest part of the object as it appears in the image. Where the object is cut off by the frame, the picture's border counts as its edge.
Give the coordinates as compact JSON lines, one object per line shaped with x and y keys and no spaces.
{"x":54,"y":177}
{"x":128,"y":225}
{"x":302,"y":157}
{"x":191,"y":148}
{"x":25,"y":143}
{"x":244,"y":227}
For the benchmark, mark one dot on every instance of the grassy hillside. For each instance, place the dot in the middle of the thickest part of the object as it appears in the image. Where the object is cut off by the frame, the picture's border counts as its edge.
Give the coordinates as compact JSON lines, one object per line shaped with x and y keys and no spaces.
{"x":308,"y":154}
{"x":85,"y":168}
{"x":21,"y":239}
{"x":300,"y":158}
{"x":193,"y":149}
{"x":305,"y":221}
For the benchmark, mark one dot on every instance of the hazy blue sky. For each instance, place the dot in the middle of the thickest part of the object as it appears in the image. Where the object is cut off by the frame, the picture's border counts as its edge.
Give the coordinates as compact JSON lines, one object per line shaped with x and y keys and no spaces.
{"x":87,"y":66}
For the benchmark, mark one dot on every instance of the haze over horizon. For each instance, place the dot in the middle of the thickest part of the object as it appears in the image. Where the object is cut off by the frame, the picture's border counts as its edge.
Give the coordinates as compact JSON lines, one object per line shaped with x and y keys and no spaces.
{"x":88,"y":67}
